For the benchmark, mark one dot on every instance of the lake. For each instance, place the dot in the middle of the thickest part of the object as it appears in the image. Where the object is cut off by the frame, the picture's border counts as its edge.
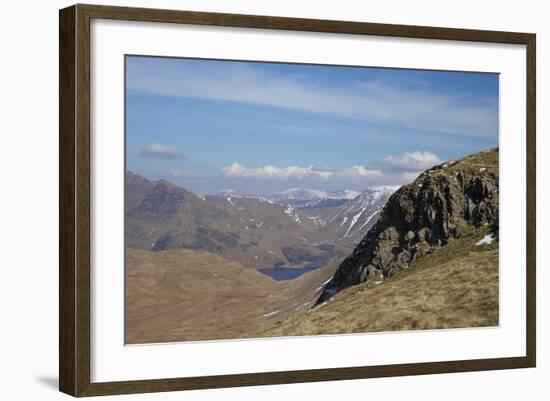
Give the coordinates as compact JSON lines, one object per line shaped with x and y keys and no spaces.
{"x":285,"y":273}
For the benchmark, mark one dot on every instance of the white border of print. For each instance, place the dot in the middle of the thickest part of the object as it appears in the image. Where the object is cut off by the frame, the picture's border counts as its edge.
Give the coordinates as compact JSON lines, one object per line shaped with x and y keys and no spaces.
{"x":113,"y":361}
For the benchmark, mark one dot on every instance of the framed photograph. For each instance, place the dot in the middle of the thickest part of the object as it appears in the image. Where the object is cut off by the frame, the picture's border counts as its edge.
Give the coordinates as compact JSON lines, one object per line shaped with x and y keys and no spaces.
{"x":250,"y":200}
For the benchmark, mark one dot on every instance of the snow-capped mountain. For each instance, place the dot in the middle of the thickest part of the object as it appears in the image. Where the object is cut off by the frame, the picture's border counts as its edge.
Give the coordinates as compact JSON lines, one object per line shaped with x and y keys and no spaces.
{"x":309,"y":194}
{"x":311,"y":198}
{"x":350,"y":221}
{"x":373,"y":195}
{"x":229,"y":192}
{"x":346,"y":215}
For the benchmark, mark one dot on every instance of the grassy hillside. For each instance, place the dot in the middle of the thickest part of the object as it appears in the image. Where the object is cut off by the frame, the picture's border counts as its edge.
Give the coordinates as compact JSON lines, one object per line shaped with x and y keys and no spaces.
{"x":455,"y":286}
{"x":179,"y":295}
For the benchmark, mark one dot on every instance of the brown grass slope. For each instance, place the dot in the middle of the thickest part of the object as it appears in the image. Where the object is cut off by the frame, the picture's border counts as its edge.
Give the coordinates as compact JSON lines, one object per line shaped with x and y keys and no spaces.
{"x":456,"y":286}
{"x":182,"y":295}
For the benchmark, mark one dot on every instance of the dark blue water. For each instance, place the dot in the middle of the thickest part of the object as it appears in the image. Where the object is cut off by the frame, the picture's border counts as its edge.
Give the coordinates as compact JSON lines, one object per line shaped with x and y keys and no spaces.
{"x":285,"y":273}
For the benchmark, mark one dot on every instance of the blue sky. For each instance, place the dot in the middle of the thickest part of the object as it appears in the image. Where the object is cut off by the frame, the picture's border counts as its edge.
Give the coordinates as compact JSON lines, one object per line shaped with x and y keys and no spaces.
{"x":211,"y":125}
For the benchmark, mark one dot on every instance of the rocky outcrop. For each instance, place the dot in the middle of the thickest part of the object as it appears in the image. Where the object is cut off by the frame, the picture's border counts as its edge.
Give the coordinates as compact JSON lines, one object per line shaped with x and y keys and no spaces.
{"x":442,"y":203}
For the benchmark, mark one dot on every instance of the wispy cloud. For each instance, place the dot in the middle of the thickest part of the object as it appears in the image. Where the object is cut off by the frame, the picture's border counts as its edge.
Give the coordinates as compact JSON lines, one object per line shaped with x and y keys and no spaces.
{"x":269,"y":172}
{"x":161,"y":151}
{"x":416,"y":106}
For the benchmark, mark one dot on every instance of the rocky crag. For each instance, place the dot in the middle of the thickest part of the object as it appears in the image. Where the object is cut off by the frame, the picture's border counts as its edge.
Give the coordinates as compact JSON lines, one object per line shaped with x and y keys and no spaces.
{"x":444,"y":202}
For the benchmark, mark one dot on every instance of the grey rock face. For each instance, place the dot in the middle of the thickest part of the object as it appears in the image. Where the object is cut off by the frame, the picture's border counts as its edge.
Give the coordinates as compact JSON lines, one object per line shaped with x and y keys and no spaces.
{"x":440,"y":204}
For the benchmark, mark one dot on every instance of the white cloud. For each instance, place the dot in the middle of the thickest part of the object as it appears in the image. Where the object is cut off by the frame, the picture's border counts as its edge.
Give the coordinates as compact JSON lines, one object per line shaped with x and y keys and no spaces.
{"x":414,"y":106}
{"x":410,"y":176}
{"x":358,"y":171}
{"x":412,"y":160}
{"x":161,"y":151}
{"x":269,"y":172}
{"x":401,"y":168}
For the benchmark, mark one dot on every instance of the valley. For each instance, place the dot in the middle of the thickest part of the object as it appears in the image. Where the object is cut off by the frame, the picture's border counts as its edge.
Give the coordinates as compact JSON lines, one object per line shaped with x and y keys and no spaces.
{"x":227,"y":266}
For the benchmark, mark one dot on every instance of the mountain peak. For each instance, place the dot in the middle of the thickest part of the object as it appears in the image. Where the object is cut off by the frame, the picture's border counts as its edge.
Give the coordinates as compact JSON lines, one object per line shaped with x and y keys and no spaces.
{"x":165,"y":184}
{"x":311,"y":194}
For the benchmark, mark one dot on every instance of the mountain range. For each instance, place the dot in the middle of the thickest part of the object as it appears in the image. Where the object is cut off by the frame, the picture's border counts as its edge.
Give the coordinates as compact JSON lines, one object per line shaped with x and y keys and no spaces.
{"x":294,"y":228}
{"x":309,"y":198}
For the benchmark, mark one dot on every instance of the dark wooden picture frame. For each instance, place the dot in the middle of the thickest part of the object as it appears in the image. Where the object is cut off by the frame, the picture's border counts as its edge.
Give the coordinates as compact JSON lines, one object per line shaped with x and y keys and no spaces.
{"x":74,"y":203}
